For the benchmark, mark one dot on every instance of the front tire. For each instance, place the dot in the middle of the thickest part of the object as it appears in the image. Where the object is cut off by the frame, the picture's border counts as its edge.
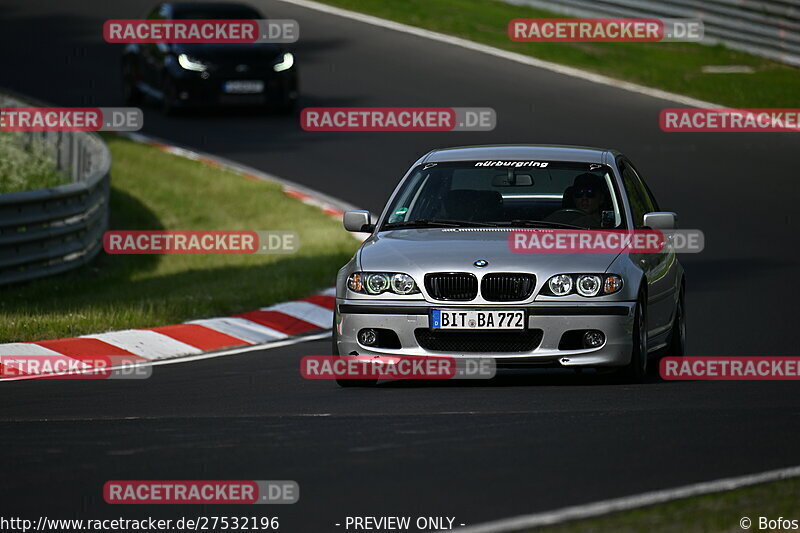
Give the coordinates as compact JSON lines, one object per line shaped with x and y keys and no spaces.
{"x":677,"y":343}
{"x":636,"y":370}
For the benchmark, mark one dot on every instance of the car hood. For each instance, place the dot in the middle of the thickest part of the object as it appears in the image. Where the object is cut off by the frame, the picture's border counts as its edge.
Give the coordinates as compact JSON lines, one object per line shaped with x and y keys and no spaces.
{"x":229,"y":52}
{"x":419,"y":251}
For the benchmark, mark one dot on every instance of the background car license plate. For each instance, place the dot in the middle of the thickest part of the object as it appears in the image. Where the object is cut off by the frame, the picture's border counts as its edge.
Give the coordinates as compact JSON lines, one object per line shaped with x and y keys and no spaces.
{"x":474,"y":319}
{"x":244,"y":87}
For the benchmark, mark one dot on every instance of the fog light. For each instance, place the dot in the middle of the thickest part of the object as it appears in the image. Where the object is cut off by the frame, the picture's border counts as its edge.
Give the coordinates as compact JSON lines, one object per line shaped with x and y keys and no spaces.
{"x":368,"y":337}
{"x":593,"y":338}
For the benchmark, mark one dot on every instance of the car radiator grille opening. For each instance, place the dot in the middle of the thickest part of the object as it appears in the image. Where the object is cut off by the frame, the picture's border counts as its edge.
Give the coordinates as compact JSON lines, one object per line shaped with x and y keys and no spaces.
{"x":479,"y":341}
{"x":452,"y":286}
{"x":507,"y":287}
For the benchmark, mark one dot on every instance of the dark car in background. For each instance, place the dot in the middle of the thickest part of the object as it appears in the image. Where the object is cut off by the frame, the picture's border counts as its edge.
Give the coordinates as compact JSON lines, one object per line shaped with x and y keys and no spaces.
{"x":181,"y":75}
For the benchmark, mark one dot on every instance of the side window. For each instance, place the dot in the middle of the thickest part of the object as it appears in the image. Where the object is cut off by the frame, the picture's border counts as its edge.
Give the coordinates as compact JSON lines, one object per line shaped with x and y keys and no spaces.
{"x":652,"y":205}
{"x":639,"y":206}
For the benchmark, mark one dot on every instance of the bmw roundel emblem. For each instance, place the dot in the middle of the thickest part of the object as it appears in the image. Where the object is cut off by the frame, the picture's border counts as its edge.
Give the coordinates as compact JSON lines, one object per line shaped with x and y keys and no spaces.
{"x":480,"y":263}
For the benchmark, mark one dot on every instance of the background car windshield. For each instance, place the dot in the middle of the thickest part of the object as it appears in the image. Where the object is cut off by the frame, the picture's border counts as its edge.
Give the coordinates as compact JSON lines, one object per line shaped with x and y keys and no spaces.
{"x":580,"y":194}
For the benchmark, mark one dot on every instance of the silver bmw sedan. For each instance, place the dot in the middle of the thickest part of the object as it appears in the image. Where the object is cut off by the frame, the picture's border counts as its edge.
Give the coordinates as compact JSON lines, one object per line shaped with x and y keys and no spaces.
{"x":440,"y":273}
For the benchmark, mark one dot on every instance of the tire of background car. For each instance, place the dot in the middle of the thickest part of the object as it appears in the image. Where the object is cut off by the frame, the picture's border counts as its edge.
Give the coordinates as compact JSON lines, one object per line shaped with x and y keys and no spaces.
{"x":677,"y":343}
{"x":130,"y":92}
{"x":635,"y":371}
{"x":287,"y":105}
{"x":168,"y":96}
{"x":348,"y":382}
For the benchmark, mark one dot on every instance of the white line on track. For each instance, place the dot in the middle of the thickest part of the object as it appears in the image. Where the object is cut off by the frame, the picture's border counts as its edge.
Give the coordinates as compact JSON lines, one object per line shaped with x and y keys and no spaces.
{"x":497,"y":52}
{"x":591,"y":510}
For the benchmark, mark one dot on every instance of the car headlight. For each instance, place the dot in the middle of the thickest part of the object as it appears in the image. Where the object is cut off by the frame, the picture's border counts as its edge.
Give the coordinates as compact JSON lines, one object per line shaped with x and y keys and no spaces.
{"x":560,"y":285}
{"x":191,"y":64}
{"x":286,"y":62}
{"x":612,"y":284}
{"x":403,"y":284}
{"x":587,"y":285}
{"x":379,"y":282}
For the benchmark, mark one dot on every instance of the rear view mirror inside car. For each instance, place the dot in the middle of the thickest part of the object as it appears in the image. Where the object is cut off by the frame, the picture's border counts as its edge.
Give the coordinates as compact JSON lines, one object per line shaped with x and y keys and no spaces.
{"x":512,"y":180}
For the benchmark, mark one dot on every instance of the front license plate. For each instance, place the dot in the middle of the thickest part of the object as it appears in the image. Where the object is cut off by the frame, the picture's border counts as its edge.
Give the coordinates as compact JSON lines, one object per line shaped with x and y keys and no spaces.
{"x":244,"y":87}
{"x":473,"y":319}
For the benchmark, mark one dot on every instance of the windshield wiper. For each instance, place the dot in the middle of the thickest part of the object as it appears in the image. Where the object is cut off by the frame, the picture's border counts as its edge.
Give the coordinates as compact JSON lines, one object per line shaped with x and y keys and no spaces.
{"x":437,"y":223}
{"x":540,"y":224}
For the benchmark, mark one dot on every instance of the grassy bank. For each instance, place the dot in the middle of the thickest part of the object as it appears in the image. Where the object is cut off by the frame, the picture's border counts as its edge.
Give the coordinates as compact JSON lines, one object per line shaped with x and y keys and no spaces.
{"x":153,"y":190}
{"x":674,"y":67}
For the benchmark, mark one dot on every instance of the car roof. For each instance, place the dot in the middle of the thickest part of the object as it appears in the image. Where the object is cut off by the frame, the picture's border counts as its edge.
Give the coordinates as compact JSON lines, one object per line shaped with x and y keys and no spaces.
{"x":545,"y":152}
{"x":218,"y":6}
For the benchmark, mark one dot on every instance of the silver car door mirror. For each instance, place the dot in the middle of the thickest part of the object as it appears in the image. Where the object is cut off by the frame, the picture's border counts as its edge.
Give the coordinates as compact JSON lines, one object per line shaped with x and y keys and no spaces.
{"x":660,"y":220}
{"x":359,"y":221}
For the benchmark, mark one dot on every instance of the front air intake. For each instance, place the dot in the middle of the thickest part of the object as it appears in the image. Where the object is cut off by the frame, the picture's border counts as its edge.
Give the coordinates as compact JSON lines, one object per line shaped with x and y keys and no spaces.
{"x":452,"y":286}
{"x":507,"y":287}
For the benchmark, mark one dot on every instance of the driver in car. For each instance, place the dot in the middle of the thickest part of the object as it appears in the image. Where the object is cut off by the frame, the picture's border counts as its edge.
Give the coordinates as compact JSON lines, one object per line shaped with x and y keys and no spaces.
{"x":588,"y":193}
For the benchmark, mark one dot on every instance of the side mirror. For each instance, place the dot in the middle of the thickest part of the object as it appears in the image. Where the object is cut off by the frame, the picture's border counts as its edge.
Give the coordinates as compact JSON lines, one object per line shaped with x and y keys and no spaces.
{"x":660,"y":220}
{"x":358,"y":221}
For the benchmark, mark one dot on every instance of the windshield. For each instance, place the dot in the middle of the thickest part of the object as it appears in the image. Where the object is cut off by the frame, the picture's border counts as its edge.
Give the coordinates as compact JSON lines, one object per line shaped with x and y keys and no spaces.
{"x":508,"y":193}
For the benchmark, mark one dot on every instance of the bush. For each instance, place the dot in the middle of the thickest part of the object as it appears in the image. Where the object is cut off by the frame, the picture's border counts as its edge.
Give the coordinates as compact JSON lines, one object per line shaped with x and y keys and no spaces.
{"x":25,"y":168}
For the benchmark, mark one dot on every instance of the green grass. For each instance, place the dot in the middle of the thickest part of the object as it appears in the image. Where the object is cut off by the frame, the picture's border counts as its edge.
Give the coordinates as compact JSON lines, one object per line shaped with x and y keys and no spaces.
{"x":26,"y":168}
{"x":719,"y":512}
{"x":674,"y":67}
{"x":154,"y":190}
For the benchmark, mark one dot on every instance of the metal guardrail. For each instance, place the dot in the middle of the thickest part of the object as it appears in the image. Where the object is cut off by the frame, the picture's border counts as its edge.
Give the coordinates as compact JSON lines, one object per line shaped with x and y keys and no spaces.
{"x":52,"y":230}
{"x":767,"y":28}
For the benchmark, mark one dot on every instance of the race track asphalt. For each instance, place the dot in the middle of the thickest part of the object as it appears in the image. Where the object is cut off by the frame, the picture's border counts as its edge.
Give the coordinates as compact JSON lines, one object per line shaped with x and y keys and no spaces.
{"x":476,"y":451}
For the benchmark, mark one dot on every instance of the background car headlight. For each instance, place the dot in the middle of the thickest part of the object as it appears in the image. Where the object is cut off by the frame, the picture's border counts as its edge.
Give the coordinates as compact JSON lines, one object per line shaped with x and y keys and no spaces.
{"x":379,"y":282}
{"x":286,"y":62}
{"x":589,"y":285}
{"x":560,"y":284}
{"x":191,"y":64}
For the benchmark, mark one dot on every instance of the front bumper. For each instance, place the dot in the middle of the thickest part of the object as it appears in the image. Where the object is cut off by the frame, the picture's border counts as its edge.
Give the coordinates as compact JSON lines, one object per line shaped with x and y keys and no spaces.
{"x":615,"y":320}
{"x":193,"y":90}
